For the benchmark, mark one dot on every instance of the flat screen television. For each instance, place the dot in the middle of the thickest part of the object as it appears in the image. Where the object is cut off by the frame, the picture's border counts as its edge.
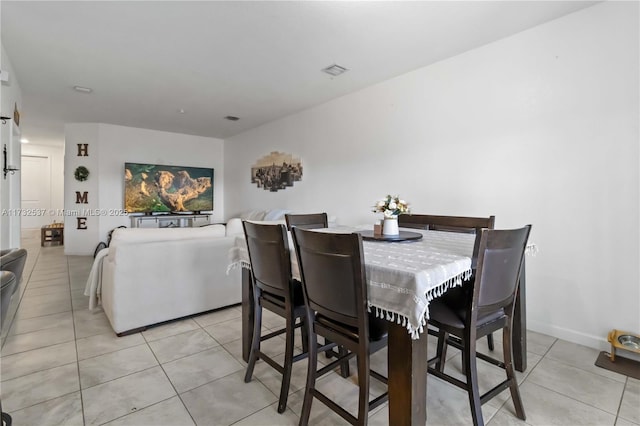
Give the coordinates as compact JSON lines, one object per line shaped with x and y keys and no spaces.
{"x":155,"y":188}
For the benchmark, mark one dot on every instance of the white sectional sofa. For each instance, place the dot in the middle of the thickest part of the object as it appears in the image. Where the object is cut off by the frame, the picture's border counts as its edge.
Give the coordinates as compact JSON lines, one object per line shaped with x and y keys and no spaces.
{"x":148,"y":276}
{"x":152,"y":275}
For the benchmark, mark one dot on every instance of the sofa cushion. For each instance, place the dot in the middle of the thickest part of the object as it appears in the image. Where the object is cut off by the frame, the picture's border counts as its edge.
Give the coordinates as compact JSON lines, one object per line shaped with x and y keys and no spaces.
{"x":234,"y":227}
{"x":268,"y":215}
{"x":253,"y":215}
{"x":275,"y":214}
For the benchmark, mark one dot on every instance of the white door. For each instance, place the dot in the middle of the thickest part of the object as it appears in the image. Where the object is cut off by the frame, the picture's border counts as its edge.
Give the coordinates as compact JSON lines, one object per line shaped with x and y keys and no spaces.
{"x":36,"y":191}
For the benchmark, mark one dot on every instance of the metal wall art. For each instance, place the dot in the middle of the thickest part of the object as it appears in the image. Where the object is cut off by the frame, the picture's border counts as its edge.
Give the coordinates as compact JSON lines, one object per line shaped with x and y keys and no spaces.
{"x":275,"y":171}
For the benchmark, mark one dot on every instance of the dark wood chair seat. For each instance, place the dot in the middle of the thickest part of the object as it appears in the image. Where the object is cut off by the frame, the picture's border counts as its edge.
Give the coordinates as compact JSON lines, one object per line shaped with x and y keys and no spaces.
{"x":298,"y":299}
{"x":451,"y":319}
{"x":378,"y":328}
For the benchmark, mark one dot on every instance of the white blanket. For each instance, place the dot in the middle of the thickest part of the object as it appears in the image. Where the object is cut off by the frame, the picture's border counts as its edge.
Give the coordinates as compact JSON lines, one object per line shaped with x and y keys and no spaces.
{"x":94,"y":282}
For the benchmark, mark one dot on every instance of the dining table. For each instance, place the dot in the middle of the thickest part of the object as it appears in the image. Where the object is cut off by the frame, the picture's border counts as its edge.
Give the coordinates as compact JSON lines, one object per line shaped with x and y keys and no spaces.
{"x":403,"y":276}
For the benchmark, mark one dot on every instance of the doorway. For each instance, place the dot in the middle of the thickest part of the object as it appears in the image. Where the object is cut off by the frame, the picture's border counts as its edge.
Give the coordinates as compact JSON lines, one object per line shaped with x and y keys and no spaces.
{"x":36,"y":191}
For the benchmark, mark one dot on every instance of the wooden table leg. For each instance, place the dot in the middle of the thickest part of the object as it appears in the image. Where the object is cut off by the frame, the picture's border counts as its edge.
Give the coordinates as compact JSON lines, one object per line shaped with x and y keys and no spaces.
{"x":520,"y":324}
{"x":247,"y":314}
{"x":407,"y":361}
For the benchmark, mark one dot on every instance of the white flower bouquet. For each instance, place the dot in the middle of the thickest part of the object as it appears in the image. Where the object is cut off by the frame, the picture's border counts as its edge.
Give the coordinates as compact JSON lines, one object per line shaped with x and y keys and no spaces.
{"x":391,"y":206}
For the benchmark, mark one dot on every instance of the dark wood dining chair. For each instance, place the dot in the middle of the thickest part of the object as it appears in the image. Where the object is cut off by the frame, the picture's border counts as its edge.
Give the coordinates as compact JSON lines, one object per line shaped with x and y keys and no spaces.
{"x":335,"y":292}
{"x":463,"y":224}
{"x":489,"y":308}
{"x":307,"y":221}
{"x":316,"y":221}
{"x":274,"y":289}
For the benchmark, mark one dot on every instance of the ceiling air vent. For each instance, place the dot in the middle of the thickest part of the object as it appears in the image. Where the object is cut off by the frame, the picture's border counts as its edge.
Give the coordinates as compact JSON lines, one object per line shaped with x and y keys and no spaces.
{"x":335,"y":70}
{"x":82,"y":89}
{"x":232,"y":118}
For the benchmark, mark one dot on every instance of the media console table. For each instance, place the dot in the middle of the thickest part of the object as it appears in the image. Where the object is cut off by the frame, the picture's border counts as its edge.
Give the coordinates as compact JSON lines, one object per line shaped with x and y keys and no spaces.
{"x":170,"y":220}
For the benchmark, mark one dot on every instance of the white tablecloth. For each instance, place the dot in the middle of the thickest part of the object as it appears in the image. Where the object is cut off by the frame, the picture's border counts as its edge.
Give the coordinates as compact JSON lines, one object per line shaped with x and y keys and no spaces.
{"x":403,"y":277}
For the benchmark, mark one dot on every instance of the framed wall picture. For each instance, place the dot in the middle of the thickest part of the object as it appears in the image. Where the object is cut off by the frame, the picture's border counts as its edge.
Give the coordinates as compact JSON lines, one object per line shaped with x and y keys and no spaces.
{"x":276,"y":171}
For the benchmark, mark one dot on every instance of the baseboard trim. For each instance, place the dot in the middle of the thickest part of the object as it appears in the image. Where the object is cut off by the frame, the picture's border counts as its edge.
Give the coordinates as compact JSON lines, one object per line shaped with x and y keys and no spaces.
{"x":593,"y":341}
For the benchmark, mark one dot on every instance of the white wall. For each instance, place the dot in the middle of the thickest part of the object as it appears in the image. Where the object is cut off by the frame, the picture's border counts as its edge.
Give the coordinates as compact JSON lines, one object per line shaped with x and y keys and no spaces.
{"x":540,"y":128}
{"x":10,"y":94}
{"x":109,"y":148}
{"x":81,"y":241}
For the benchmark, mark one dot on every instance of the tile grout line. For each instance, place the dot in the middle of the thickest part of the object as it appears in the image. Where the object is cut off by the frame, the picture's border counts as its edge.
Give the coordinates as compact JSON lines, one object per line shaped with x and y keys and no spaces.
{"x":573,"y":366}
{"x":25,"y":289}
{"x":624,"y":390}
{"x":75,"y":339}
{"x":168,"y":378}
{"x":546,"y":356}
{"x":574,"y":399}
{"x":26,"y":280}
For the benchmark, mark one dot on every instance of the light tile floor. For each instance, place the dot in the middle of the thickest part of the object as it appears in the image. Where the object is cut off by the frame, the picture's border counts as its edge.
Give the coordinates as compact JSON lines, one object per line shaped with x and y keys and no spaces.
{"x":63,"y":365}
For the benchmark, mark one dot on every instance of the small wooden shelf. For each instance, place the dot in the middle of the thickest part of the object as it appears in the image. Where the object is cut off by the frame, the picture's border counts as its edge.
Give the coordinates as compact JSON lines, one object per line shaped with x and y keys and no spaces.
{"x":53,"y":233}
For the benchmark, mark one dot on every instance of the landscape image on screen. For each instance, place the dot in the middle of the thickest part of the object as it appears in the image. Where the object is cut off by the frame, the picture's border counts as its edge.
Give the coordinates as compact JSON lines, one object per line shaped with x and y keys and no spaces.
{"x":150,"y":188}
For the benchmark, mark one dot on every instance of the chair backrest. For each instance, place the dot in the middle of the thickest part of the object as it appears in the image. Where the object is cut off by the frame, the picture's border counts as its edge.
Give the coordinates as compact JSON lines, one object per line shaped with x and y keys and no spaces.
{"x":462,"y":224}
{"x":307,"y":221}
{"x":13,"y":260}
{"x":446,"y":223}
{"x":500,"y":256}
{"x":269,"y":255}
{"x":333,"y":275}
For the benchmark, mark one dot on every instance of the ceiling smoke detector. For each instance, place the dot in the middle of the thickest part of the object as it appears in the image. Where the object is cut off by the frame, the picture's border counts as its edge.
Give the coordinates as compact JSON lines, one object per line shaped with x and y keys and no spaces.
{"x":335,"y":70}
{"x":232,"y":118}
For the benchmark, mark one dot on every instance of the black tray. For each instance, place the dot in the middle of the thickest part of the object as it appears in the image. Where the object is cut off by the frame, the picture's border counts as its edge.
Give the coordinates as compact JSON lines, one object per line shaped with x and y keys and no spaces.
{"x":402,"y":236}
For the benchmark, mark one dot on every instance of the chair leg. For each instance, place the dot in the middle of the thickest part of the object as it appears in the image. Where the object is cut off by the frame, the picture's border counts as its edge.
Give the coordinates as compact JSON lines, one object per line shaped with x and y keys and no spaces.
{"x":288,"y":365}
{"x":311,"y":372}
{"x":490,"y":341}
{"x":305,"y":335}
{"x":6,"y":419}
{"x":363,"y":383}
{"x":511,"y":376}
{"x":255,"y":341}
{"x":471,"y":373}
{"x":441,"y":351}
{"x":344,"y":365}
{"x":328,"y":354}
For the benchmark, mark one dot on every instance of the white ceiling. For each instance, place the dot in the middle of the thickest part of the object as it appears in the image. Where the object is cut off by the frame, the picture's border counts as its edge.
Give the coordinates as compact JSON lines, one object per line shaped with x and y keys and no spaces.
{"x":260,"y":60}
